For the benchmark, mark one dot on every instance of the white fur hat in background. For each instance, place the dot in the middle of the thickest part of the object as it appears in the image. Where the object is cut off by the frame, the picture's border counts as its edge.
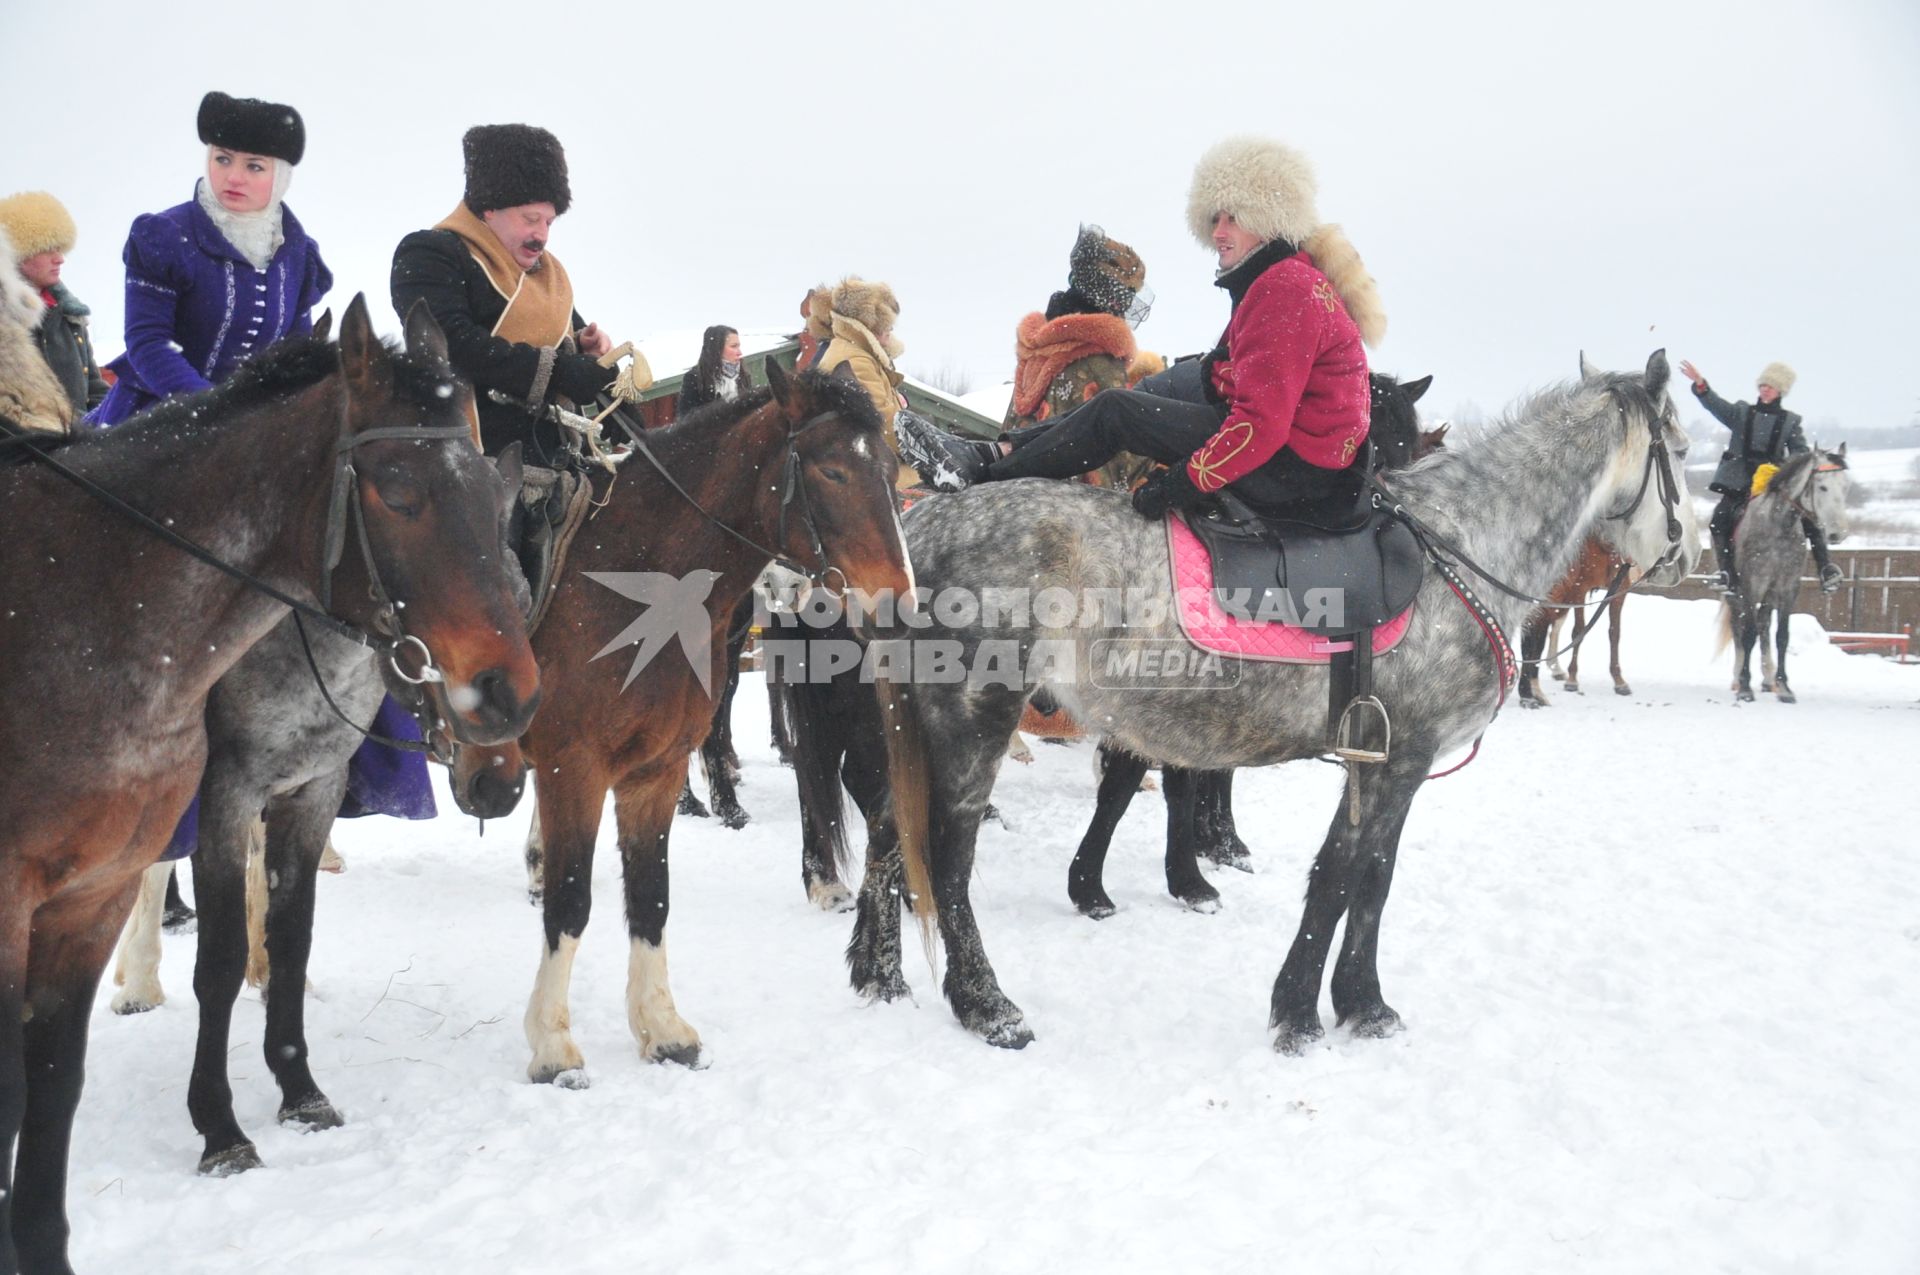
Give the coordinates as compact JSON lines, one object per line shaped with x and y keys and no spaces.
{"x":1268,"y":188}
{"x":1778,"y":375}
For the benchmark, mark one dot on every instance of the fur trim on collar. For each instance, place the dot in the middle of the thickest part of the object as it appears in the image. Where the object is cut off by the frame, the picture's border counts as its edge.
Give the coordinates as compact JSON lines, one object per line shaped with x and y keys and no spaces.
{"x":255,"y":235}
{"x":1269,"y":189}
{"x":1337,"y":259}
{"x":20,"y":303}
{"x":38,"y":223}
{"x":1780,"y":376}
{"x":1046,"y":347}
{"x":883,"y":350}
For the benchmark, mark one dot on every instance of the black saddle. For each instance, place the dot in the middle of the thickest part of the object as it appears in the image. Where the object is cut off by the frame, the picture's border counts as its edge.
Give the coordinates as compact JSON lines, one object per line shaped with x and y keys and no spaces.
{"x":1334,"y":571}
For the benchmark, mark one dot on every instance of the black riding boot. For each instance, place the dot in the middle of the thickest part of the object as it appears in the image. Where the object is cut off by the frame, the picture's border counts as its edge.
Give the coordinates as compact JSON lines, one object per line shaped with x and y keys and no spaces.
{"x":1822,"y":560}
{"x":1723,"y":556}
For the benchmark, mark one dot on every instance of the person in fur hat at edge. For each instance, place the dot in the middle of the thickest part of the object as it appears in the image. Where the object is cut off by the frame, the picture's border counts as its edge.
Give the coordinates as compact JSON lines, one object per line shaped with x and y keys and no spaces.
{"x":504,"y":301}
{"x":1763,"y":433}
{"x":31,"y":396}
{"x":221,"y":277}
{"x":209,"y":283}
{"x":1083,"y":344}
{"x":42,"y":233}
{"x":1284,"y":407}
{"x":817,"y":334}
{"x":863,"y":343}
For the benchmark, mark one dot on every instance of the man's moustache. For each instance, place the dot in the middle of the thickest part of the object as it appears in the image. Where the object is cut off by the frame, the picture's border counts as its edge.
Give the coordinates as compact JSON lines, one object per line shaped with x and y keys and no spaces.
{"x":534,"y":245}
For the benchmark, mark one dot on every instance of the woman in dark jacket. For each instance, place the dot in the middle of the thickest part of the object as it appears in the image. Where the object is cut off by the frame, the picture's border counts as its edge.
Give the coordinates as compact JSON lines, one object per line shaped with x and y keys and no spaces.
{"x":718,"y":375}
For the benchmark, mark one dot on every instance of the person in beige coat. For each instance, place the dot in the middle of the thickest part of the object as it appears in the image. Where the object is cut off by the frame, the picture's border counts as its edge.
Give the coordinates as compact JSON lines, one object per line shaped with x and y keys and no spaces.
{"x":31,"y":396}
{"x":863,"y":342}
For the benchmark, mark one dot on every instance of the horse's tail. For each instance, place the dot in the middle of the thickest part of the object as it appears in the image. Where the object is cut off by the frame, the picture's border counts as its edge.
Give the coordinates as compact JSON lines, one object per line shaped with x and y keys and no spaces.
{"x":1723,"y":629}
{"x":807,"y":726}
{"x":907,"y":777}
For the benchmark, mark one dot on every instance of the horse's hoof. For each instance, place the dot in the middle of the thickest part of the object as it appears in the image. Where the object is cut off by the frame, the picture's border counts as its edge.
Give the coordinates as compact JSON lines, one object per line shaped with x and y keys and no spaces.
{"x":692,"y":805}
{"x":1530,"y":702}
{"x":232,"y":1160}
{"x":735,"y":818}
{"x":1012,"y":1033}
{"x":1785,"y":696}
{"x":125,"y":1004}
{"x":1205,"y":904}
{"x":1293,"y":1038}
{"x":1572,"y":688}
{"x":1099,"y":909}
{"x":561,"y":1077}
{"x":1375,"y":1024}
{"x":312,"y":1115}
{"x":1744,"y":697}
{"x":1623,"y":689}
{"x":1236,"y":856}
{"x":830,"y":896}
{"x":182,"y":920}
{"x":687,"y":1055}
{"x":884,"y":990}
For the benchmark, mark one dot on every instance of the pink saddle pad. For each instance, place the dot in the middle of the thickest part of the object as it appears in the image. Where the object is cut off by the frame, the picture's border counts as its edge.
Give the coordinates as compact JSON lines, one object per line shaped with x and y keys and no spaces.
{"x":1212,"y":629}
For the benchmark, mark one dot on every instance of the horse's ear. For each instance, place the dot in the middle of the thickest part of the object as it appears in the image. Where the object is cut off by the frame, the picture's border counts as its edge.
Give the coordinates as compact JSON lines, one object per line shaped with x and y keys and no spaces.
{"x":1588,"y":372}
{"x":1658,"y":373}
{"x":846,"y":373}
{"x":777,"y":382}
{"x":1414,"y":389}
{"x":358,"y":345}
{"x":323,"y":326}
{"x":1841,"y":453}
{"x":424,"y":337}
{"x":512,"y":470}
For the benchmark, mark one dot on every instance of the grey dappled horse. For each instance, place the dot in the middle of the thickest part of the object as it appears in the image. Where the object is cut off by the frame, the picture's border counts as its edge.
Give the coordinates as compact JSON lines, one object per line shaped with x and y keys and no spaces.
{"x":1520,"y":501}
{"x":1770,"y":544}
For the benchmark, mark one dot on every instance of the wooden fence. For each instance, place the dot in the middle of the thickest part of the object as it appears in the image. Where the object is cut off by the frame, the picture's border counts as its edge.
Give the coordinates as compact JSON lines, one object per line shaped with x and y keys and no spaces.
{"x":1880,"y":592}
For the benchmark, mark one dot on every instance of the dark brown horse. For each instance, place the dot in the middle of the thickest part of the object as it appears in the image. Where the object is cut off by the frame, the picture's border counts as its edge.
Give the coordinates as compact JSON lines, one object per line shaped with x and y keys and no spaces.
{"x":805,"y":474}
{"x":113,"y":637}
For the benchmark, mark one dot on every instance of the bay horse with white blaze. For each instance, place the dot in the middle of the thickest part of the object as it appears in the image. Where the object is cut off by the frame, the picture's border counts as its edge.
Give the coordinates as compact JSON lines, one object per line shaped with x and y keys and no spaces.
{"x":1518,"y":502}
{"x":112,"y":639}
{"x":804,"y":474}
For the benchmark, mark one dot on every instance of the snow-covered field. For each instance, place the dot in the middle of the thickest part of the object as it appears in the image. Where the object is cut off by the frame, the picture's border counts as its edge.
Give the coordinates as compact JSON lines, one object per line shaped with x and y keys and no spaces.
{"x":1659,"y":958}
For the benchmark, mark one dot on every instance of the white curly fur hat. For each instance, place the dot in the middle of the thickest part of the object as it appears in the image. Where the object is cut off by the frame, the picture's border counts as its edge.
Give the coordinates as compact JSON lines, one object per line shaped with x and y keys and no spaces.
{"x":1268,"y":188}
{"x":1778,"y":375}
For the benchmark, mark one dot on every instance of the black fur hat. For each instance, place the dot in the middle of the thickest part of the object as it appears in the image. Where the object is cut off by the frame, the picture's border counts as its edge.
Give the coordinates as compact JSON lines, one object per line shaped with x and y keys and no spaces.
{"x":513,"y":164}
{"x":250,"y":125}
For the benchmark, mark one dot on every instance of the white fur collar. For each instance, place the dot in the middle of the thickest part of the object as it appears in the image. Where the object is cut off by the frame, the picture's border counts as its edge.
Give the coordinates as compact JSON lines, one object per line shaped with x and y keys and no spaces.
{"x":20,"y":301}
{"x":256,"y":235}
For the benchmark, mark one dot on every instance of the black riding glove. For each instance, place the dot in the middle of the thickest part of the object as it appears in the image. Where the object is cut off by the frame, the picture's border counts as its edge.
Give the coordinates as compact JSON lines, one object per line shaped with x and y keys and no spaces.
{"x":1167,"y":489}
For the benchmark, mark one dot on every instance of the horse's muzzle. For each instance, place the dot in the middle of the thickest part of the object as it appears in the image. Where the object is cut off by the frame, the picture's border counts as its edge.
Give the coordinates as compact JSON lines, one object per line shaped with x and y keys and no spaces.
{"x":488,"y":710}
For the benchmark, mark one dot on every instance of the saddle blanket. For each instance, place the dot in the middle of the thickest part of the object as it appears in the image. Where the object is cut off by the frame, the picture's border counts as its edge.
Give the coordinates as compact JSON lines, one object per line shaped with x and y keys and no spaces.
{"x":1208,"y":626}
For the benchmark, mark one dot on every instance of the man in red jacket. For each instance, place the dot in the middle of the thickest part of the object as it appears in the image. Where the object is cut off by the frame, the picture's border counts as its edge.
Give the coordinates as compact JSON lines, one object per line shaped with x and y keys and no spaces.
{"x":1280,"y":409}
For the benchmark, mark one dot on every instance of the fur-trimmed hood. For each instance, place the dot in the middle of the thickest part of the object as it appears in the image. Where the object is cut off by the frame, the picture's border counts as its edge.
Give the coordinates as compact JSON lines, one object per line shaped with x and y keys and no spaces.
{"x":1268,"y":188}
{"x":37,"y":223}
{"x":871,"y":305}
{"x":1778,"y":375}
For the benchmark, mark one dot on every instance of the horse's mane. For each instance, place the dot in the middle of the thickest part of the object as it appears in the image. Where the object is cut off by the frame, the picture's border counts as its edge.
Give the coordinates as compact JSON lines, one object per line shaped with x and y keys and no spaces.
{"x":1489,"y":456}
{"x":277,"y":373}
{"x":707,"y":422}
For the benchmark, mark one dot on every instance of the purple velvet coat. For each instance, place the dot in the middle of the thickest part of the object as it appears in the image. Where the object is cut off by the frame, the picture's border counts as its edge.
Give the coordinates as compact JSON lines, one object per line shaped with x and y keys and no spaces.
{"x":196,"y":308}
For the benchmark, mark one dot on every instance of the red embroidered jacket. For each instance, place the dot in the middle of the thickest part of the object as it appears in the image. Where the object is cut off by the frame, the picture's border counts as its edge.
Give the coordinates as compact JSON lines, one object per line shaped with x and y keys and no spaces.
{"x":1295,"y":375}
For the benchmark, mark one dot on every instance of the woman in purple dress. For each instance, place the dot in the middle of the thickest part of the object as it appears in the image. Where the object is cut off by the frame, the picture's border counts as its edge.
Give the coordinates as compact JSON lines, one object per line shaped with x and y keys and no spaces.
{"x":211,"y":282}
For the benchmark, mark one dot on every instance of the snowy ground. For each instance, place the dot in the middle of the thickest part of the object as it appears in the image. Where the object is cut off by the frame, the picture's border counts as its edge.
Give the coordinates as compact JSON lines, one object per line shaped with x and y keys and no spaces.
{"x":1659,"y":958}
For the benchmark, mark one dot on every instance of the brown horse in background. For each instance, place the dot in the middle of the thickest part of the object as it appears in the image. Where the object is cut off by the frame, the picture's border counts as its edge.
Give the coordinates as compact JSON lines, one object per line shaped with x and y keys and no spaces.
{"x":113,"y":638}
{"x":806,"y":475}
{"x":1596,"y":570}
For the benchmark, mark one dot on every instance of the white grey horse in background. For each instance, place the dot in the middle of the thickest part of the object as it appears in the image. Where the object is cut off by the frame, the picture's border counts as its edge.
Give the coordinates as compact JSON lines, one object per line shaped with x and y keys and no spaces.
{"x":1770,"y":544}
{"x":1520,"y":501}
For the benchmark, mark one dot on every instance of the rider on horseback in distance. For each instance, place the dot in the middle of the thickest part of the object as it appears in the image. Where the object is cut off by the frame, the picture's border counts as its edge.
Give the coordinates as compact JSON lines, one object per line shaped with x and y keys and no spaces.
{"x":1278,"y":410}
{"x":1762,"y":433}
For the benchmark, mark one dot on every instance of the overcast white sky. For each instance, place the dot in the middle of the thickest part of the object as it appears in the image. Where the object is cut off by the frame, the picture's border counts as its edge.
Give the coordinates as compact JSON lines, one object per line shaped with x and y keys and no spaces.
{"x":1736,"y":182}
